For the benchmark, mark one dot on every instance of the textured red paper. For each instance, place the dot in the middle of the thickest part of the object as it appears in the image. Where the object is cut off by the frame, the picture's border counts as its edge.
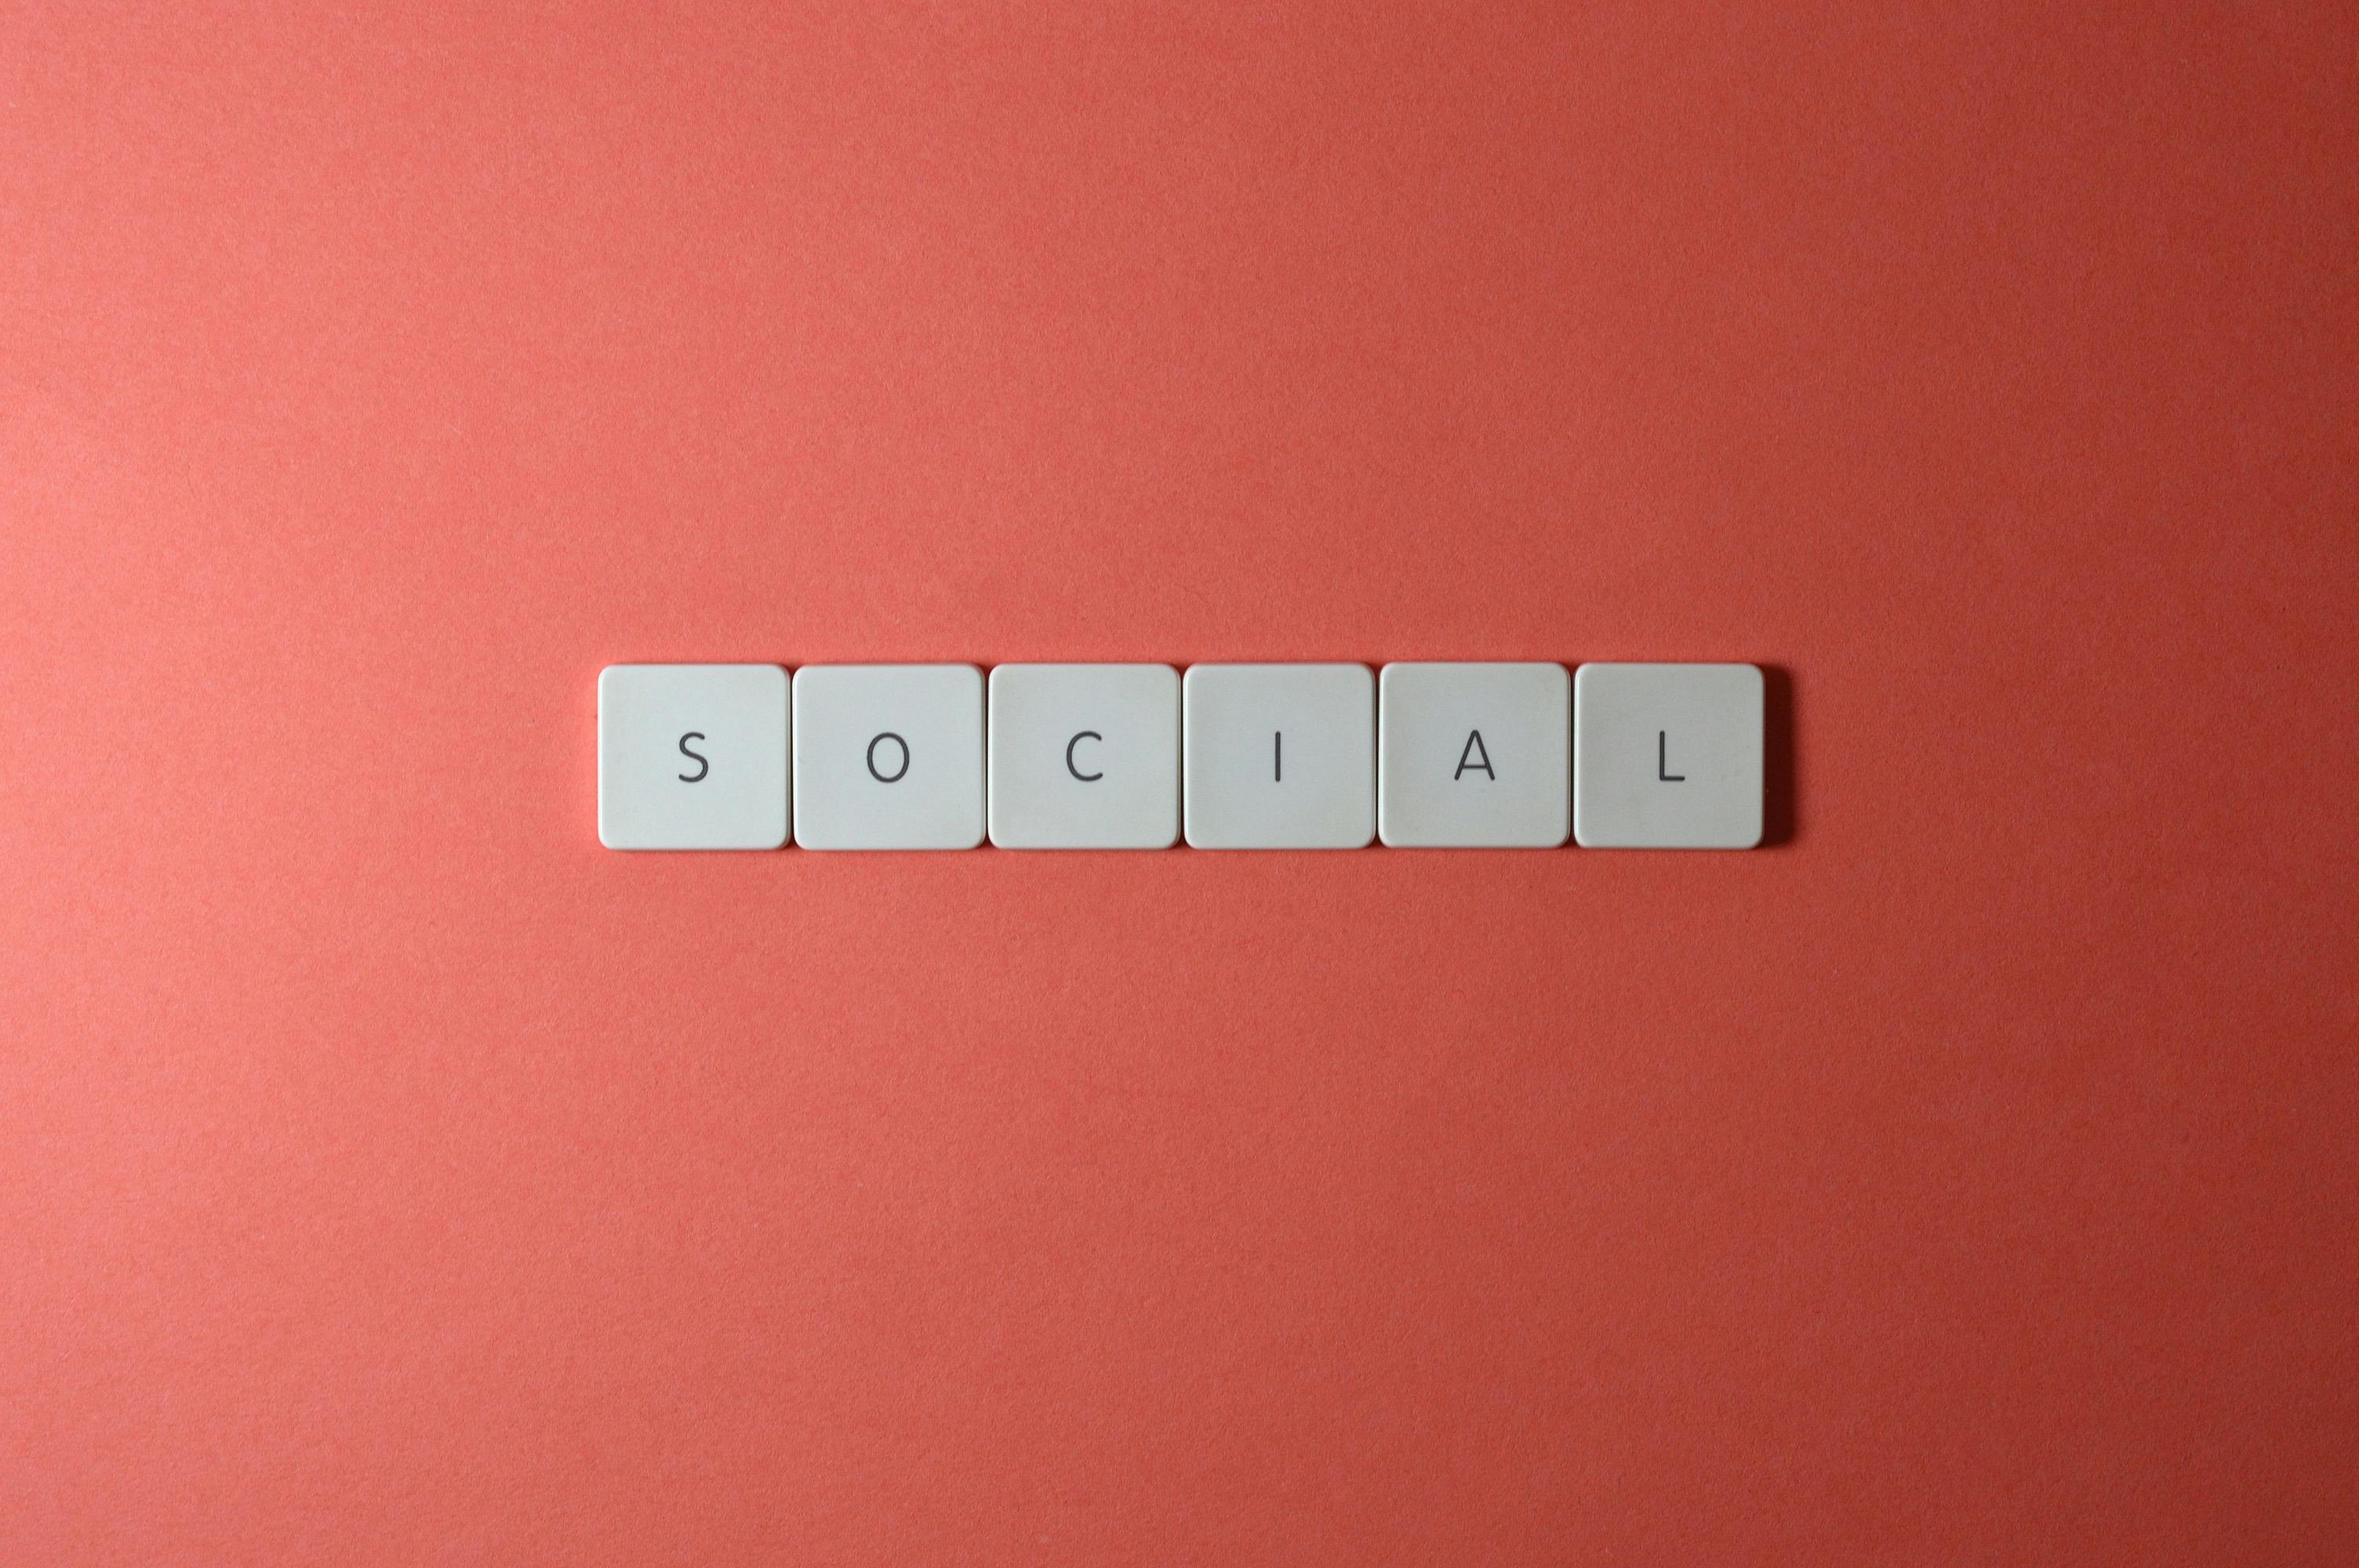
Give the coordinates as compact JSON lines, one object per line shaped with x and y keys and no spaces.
{"x":388,"y":1174}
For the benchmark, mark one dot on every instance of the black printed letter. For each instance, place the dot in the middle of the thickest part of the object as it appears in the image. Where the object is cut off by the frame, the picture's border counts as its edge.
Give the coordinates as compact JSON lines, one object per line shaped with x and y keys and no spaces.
{"x":894,"y":777}
{"x":1662,"y":759}
{"x":703,"y":767}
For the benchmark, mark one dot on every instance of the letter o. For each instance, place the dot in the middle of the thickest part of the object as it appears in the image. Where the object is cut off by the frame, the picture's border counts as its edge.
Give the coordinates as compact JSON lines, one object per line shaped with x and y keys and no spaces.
{"x":898,"y":774}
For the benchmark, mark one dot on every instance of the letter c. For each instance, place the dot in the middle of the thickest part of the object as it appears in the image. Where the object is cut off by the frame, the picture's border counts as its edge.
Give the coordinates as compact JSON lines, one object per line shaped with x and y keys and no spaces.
{"x":1084,"y":735}
{"x":895,"y":777}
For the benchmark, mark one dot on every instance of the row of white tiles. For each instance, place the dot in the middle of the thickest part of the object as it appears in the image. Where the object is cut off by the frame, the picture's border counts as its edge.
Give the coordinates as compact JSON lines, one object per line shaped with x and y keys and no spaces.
{"x":1299,"y":756}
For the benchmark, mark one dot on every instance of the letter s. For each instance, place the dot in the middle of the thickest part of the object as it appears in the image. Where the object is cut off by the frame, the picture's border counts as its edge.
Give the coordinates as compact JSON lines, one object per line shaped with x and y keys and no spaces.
{"x":703,"y":767}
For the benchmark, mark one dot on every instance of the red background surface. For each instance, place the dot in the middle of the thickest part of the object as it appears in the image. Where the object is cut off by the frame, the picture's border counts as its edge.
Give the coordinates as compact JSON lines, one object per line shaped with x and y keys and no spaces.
{"x":389,"y":1174}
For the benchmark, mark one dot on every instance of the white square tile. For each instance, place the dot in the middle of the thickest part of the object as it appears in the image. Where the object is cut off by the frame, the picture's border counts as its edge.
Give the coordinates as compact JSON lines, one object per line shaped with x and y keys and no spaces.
{"x":888,"y":756}
{"x":1474,"y":755}
{"x":1084,"y":756}
{"x":1666,"y":756}
{"x":693,"y":756}
{"x":1280,"y":756}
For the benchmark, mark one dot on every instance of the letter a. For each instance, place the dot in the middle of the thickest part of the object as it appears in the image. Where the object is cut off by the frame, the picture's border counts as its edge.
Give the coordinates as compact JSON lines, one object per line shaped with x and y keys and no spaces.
{"x":1482,"y":758}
